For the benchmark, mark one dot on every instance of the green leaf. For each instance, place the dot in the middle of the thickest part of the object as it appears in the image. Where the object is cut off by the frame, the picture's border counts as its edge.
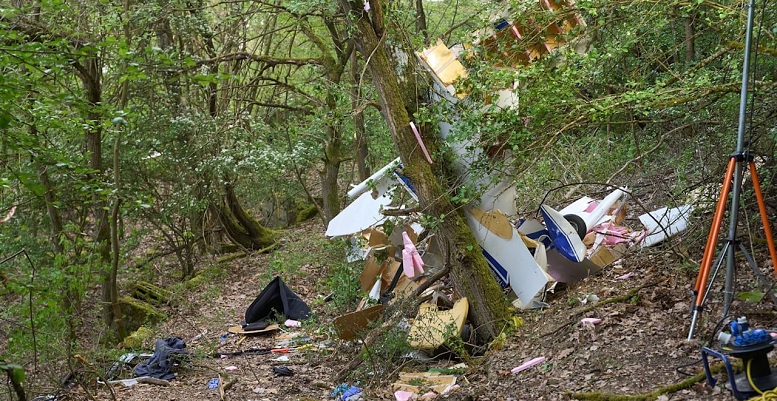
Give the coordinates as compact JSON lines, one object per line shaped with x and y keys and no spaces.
{"x":5,"y":120}
{"x":751,"y":296}
{"x":17,"y":374}
{"x":16,"y":371}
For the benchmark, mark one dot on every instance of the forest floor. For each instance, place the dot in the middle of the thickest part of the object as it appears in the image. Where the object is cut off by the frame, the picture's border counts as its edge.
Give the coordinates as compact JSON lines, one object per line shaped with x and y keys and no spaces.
{"x":638,"y":348}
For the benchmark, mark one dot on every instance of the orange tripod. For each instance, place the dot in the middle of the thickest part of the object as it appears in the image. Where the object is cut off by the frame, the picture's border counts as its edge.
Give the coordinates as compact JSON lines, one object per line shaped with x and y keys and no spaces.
{"x":733,"y":173}
{"x":733,"y":178}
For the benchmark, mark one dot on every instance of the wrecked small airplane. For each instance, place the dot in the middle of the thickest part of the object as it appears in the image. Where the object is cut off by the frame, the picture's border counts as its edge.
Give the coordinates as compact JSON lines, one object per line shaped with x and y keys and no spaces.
{"x":530,"y":256}
{"x":566,"y":246}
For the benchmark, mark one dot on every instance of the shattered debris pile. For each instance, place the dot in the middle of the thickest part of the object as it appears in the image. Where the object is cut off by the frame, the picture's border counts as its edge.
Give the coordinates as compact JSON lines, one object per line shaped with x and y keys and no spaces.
{"x":528,"y":256}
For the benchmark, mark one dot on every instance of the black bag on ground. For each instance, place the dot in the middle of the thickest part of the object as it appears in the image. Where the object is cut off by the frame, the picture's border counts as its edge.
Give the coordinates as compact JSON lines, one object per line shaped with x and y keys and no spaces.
{"x":275,"y":299}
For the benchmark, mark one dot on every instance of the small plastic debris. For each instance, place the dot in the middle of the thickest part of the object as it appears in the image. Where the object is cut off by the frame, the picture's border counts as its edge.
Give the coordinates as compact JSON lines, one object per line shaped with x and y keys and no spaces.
{"x":351,"y":393}
{"x":411,"y":259}
{"x":295,"y":340}
{"x":429,"y":395}
{"x":418,"y":355}
{"x":213,"y":383}
{"x":420,"y":142}
{"x":375,"y":291}
{"x":281,"y":359}
{"x":258,"y":390}
{"x":402,"y":395}
{"x":625,"y":276}
{"x":230,"y":368}
{"x":292,"y":323}
{"x":527,"y":365}
{"x":590,"y":321}
{"x":282,"y":371}
{"x":305,"y":347}
{"x":124,"y":382}
{"x":589,"y":298}
{"x":339,"y":390}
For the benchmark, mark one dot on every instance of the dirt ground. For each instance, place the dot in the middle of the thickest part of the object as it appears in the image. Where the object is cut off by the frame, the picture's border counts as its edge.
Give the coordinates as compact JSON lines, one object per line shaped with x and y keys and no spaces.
{"x":639,"y":346}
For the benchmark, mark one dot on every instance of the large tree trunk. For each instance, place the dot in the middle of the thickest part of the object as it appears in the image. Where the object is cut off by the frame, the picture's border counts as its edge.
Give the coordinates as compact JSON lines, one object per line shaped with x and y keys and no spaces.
{"x":90,"y":73}
{"x":334,"y":61}
{"x":469,"y":270}
{"x":241,"y":228}
{"x":329,"y":187}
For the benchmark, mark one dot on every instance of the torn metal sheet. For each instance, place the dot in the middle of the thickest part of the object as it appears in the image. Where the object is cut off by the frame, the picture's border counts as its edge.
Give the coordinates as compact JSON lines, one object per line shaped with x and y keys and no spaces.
{"x":535,"y":230}
{"x":498,"y":191}
{"x":564,"y":270}
{"x":364,"y":212}
{"x":510,"y":260}
{"x":508,"y":98}
{"x":663,"y":223}
{"x":372,"y":195}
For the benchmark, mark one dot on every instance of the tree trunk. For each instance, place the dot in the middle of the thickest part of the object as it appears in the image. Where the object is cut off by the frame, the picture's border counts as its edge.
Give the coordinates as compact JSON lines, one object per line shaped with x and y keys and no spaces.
{"x":90,"y":73}
{"x":690,"y":39}
{"x":362,"y":147}
{"x":49,"y":198}
{"x":469,"y":270}
{"x":113,"y":293}
{"x":241,"y":228}
{"x":328,"y":175}
{"x":420,"y":21}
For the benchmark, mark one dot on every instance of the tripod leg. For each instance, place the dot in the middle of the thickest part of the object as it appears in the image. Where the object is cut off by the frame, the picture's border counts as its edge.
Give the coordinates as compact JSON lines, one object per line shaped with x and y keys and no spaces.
{"x":764,"y":217}
{"x":709,"y":250}
{"x":766,"y":285}
{"x":712,"y":239}
{"x":718,"y":263}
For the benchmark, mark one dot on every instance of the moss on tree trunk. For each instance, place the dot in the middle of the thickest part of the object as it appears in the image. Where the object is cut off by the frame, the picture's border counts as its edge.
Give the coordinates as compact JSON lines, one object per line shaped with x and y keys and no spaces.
{"x":241,"y":228}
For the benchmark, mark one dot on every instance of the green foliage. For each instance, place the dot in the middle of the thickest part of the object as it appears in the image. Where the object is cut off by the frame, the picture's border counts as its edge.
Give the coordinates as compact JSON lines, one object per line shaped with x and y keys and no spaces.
{"x":342,"y":279}
{"x":200,"y":97}
{"x":384,"y":356}
{"x":455,"y":344}
{"x":15,"y":372}
{"x":751,"y":296}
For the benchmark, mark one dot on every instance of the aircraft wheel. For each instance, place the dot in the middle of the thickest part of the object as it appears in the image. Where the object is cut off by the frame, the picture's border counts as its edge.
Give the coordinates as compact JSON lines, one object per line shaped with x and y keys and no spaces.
{"x":578,"y":223}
